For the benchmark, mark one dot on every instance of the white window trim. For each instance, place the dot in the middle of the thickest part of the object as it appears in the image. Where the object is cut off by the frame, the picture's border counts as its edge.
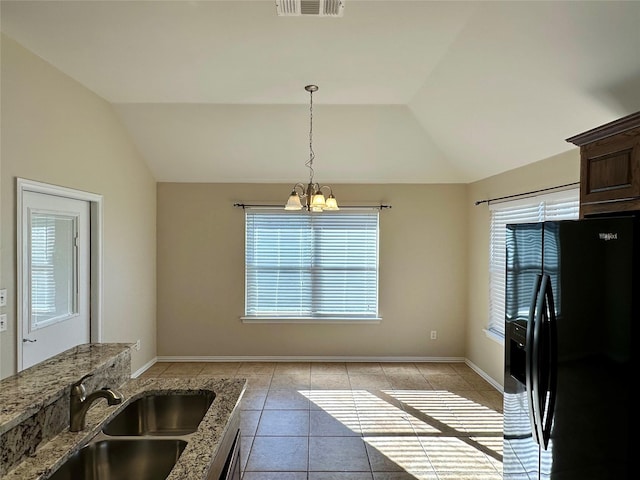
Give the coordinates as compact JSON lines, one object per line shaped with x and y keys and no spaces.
{"x":331,"y":320}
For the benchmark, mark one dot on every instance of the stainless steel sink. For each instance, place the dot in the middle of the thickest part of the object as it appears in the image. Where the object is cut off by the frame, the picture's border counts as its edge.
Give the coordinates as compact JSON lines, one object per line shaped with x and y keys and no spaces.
{"x":161,"y":414}
{"x":116,"y":459}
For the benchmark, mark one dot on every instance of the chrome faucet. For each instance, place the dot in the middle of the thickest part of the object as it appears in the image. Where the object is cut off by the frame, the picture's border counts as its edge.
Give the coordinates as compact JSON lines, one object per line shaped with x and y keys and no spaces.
{"x":80,"y":402}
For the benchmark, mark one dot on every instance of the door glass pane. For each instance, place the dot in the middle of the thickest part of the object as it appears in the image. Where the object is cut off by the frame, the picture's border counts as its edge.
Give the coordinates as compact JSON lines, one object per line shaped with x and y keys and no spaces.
{"x":53,"y":268}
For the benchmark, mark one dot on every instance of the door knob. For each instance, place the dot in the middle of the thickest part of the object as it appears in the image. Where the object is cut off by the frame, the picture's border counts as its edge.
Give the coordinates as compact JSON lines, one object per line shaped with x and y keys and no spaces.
{"x":25,"y":340}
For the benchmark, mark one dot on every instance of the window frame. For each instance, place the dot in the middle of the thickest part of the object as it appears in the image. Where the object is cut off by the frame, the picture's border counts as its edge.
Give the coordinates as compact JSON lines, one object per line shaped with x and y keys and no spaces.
{"x":544,"y":204}
{"x":311,"y":270}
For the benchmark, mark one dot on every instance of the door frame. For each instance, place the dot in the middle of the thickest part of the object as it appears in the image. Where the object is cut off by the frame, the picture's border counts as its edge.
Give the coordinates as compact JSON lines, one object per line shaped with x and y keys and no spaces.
{"x":96,"y":231}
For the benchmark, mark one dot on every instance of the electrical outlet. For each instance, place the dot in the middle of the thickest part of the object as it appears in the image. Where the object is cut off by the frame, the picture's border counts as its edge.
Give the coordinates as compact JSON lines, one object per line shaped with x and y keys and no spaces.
{"x":3,"y":297}
{"x":434,"y":335}
{"x":3,"y":322}
{"x":137,"y":345}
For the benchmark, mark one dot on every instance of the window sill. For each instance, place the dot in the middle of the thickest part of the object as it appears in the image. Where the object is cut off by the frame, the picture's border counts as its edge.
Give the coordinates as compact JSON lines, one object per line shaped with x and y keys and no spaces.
{"x":332,"y":320}
{"x":493,"y":335}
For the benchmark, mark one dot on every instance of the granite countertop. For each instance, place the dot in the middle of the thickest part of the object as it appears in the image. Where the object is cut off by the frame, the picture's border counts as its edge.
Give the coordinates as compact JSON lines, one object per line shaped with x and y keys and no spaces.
{"x":22,"y":395}
{"x":195,"y":460}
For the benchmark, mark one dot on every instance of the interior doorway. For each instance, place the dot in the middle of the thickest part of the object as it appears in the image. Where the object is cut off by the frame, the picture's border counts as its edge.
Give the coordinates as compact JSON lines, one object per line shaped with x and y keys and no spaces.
{"x":59,"y":270}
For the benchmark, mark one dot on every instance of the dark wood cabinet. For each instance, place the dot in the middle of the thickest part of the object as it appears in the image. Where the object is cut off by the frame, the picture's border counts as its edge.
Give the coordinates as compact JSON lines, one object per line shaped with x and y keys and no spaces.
{"x":610,"y":167}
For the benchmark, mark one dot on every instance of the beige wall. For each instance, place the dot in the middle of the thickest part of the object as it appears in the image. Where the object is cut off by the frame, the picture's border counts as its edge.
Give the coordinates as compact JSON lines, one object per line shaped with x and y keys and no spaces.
{"x":56,"y":131}
{"x":433,"y":243}
{"x":484,"y":352}
{"x":423,"y":271}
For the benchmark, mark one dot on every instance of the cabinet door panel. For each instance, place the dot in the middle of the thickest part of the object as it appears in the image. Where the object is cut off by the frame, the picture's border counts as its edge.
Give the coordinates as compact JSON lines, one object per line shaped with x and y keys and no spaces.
{"x":610,"y":168}
{"x":610,"y":173}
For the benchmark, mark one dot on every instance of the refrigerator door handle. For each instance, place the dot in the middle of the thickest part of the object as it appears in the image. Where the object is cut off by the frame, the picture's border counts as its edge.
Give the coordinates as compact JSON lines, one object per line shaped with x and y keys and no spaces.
{"x":543,"y":362}
{"x":536,"y":366}
{"x":534,"y":314}
{"x":550,"y":393}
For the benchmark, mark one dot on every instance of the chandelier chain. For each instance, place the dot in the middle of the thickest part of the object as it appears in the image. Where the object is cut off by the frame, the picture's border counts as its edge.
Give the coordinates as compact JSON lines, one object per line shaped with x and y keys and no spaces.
{"x":309,"y":163}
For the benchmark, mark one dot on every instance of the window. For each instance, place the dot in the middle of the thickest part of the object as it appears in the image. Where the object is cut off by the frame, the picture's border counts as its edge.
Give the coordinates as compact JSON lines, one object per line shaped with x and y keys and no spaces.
{"x":303,"y":266}
{"x":553,"y":206}
{"x":54,"y":280}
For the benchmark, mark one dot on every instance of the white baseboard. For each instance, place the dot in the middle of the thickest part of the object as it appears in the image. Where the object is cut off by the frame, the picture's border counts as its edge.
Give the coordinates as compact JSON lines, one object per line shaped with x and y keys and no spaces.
{"x":144,"y":368}
{"x":476,"y":369}
{"x":279,"y":358}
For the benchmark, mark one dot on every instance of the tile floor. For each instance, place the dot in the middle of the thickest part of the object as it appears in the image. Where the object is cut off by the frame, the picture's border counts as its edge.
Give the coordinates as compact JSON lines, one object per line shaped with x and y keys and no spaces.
{"x":363,"y":421}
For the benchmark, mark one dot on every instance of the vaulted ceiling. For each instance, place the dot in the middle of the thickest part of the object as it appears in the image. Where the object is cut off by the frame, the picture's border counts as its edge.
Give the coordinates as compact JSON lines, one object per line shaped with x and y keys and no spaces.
{"x":409,"y":91}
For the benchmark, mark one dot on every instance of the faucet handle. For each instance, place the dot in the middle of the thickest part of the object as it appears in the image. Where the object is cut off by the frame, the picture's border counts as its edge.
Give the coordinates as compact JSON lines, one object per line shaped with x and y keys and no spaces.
{"x":78,"y":388}
{"x":79,"y":382}
{"x":85,"y":377}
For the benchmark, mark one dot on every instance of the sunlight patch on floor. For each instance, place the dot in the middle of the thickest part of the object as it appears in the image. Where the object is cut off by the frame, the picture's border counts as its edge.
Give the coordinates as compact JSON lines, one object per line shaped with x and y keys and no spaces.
{"x":456,"y":455}
{"x":397,"y":454}
{"x":420,"y":431}
{"x":449,"y":410}
{"x":338,"y":403}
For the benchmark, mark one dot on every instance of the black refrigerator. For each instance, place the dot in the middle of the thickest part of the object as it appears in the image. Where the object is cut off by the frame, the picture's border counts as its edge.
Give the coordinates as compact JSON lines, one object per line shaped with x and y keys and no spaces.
{"x":572,"y":305}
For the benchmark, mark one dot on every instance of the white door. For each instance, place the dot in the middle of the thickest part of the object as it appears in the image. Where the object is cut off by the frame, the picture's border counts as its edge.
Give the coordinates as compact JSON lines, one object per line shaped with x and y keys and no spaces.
{"x":55,"y":275}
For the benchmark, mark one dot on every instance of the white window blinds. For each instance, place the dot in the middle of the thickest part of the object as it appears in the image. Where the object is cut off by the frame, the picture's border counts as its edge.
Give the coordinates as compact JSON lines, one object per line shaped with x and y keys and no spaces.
{"x":553,"y":206}
{"x":311,"y":266}
{"x":43,"y":282}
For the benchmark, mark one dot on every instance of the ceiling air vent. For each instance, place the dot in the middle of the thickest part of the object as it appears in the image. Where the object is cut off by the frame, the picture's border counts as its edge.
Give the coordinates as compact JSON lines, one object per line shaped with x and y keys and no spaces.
{"x":318,"y":8}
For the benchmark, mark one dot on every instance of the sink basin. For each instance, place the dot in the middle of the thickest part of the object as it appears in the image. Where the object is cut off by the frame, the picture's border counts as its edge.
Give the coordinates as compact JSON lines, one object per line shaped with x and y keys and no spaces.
{"x":142,"y":459}
{"x":161,"y":414}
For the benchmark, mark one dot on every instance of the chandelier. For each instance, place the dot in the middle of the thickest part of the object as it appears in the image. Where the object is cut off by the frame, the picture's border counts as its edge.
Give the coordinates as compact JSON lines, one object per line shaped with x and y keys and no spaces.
{"x":310,"y":196}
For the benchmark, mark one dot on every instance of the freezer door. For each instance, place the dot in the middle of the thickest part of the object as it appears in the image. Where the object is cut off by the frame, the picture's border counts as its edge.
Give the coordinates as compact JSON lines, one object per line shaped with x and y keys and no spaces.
{"x":591,"y":264}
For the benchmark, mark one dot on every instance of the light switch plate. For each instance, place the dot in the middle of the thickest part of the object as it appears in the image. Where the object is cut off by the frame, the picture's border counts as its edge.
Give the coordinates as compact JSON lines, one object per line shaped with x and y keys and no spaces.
{"x":3,"y":322}
{"x":3,"y":297}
